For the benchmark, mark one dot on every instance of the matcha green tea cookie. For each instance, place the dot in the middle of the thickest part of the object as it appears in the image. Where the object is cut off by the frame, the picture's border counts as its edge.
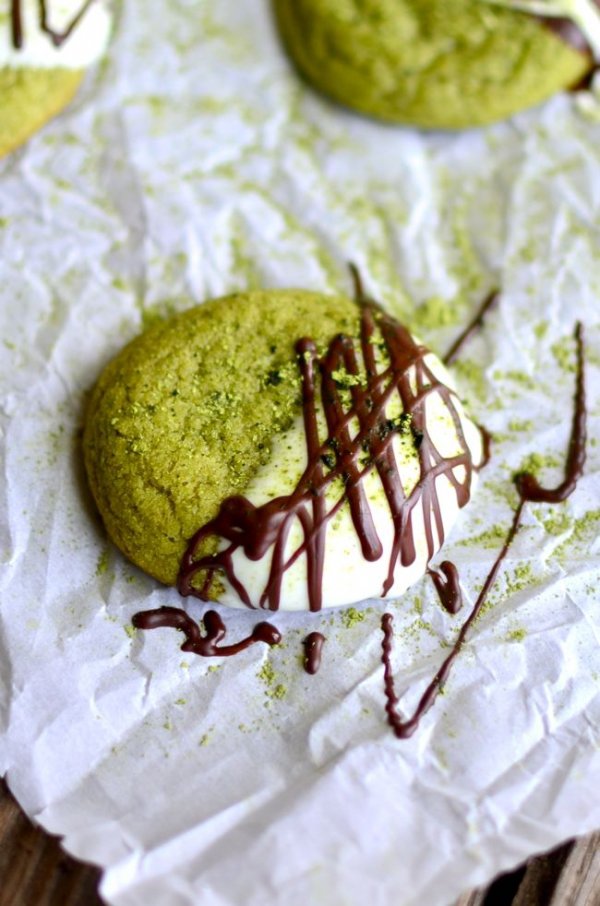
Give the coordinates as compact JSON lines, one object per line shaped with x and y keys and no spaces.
{"x":431,"y":63}
{"x":45,"y":48}
{"x":280,"y":449}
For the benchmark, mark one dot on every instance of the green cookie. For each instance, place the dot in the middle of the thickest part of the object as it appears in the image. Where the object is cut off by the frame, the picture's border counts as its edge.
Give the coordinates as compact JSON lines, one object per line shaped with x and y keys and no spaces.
{"x":432,"y":63}
{"x":31,"y":97}
{"x":185,"y":415}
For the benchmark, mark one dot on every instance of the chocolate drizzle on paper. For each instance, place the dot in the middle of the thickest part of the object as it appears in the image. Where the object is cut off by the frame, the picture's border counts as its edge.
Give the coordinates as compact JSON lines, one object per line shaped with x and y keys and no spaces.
{"x":58,"y":38}
{"x":529,"y":491}
{"x":206,"y":645}
{"x":474,"y":325}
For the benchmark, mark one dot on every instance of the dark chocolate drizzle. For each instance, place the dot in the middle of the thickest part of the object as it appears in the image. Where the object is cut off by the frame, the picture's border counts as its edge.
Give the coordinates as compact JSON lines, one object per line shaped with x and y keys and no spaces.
{"x":585,"y":83}
{"x":206,"y":645}
{"x":57,"y":38}
{"x":528,"y":485}
{"x":447,"y":584}
{"x":342,"y":455}
{"x":529,"y":490}
{"x":474,"y":325}
{"x":487,"y":441}
{"x":313,"y":649}
{"x":568,"y":32}
{"x":457,"y":347}
{"x":16,"y":24}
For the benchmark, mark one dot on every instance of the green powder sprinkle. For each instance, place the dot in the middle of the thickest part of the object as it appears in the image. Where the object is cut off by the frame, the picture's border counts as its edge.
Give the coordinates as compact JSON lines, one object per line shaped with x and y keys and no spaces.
{"x":267,"y":673}
{"x":564,"y":354}
{"x":585,"y":531}
{"x":521,"y":378}
{"x":268,"y":676}
{"x":516,"y":635}
{"x":472,"y":375}
{"x":557,"y":523}
{"x":351,"y":617}
{"x":535,"y":462}
{"x":436,"y":312}
{"x":516,"y":425}
{"x":522,"y":577}
{"x":279,"y":692}
{"x":345,"y":380}
{"x":102,"y":564}
{"x":488,"y":539}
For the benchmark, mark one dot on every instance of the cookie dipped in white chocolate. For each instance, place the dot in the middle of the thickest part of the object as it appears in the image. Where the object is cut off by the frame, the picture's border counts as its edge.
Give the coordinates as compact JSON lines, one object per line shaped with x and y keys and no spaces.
{"x":46,"y":34}
{"x":360,"y":493}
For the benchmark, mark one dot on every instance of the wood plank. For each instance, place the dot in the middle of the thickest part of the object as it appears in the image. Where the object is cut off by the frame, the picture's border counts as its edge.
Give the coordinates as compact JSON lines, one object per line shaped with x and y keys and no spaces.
{"x":499,"y":893}
{"x":541,"y":876}
{"x":579,"y":883}
{"x":474,"y":898}
{"x":34,"y":871}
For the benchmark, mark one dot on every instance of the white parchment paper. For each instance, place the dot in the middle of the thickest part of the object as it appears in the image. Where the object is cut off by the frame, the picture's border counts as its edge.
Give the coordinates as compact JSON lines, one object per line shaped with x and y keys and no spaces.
{"x":195,"y":163}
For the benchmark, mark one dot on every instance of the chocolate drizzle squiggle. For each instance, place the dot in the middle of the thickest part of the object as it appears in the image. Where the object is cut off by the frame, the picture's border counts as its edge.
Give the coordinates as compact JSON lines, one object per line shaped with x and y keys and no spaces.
{"x":57,"y":38}
{"x":407,"y":379}
{"x":446,"y":578}
{"x":586,"y":82}
{"x":528,"y":485}
{"x":529,"y":490}
{"x":456,"y":348}
{"x":16,"y":23}
{"x":206,"y":645}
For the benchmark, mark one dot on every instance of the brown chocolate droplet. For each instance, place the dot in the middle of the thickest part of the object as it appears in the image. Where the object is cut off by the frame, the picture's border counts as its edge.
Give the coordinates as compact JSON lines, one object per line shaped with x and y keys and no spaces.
{"x":313,"y":649}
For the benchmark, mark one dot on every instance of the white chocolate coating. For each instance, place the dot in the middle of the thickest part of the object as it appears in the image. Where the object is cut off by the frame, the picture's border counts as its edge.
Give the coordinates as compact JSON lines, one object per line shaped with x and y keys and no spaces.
{"x":347,"y":576}
{"x":83,"y":47}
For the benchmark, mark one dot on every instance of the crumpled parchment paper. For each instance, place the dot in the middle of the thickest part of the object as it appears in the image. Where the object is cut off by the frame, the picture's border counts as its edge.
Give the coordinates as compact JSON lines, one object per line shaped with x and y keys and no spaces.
{"x":195,"y":163}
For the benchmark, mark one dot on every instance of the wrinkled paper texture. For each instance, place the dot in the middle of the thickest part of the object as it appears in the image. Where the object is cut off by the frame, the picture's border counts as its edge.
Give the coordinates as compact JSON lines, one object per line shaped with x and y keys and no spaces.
{"x":195,"y":163}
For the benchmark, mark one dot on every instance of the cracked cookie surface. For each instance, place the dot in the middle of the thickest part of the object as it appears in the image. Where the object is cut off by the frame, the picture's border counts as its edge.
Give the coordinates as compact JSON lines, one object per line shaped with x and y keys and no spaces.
{"x":429,"y":63}
{"x":184,"y":416}
{"x":31,"y":97}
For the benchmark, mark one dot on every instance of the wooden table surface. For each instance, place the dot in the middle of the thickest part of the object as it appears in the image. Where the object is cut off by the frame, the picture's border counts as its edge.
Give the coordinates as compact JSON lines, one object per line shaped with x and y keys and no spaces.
{"x":34,"y":871}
